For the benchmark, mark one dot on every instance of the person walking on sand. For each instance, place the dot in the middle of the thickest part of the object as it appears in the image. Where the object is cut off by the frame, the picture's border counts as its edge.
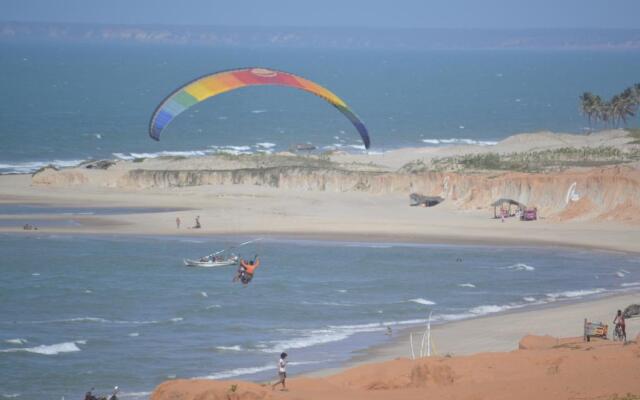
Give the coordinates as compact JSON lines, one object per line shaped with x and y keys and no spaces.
{"x":619,"y":321}
{"x":197,"y":225}
{"x":282,"y":372}
{"x":178,"y":222}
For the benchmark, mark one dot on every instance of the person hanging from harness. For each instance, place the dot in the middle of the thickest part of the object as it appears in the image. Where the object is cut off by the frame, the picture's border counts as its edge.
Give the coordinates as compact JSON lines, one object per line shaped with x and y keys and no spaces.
{"x":247,"y":269}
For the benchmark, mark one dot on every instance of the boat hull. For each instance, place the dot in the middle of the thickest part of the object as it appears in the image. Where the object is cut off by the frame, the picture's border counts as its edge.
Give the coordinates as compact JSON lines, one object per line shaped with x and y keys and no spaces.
{"x":208,"y":264}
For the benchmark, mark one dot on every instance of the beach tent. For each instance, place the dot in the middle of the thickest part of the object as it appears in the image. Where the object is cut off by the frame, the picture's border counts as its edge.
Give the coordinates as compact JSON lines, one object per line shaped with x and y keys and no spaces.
{"x":501,"y":202}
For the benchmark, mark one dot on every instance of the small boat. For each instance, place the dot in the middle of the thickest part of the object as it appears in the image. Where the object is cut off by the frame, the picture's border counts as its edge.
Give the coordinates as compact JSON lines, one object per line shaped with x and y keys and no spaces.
{"x":220,"y":258}
{"x":208,"y":262}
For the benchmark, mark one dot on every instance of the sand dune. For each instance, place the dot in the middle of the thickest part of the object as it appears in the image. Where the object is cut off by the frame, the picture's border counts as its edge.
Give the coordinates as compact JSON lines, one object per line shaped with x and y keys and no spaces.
{"x":543,"y":368}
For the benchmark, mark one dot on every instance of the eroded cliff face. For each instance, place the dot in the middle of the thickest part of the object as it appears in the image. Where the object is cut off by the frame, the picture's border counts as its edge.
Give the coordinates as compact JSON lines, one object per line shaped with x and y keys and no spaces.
{"x":608,"y":193}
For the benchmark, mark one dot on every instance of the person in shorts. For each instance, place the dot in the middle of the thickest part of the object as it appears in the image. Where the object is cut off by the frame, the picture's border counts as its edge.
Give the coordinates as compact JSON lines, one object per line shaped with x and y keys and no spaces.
{"x":282,"y":372}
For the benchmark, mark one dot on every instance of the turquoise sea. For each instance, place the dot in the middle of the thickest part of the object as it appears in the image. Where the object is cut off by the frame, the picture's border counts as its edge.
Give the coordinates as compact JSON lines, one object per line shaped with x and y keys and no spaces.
{"x":64,"y":103}
{"x":78,"y":311}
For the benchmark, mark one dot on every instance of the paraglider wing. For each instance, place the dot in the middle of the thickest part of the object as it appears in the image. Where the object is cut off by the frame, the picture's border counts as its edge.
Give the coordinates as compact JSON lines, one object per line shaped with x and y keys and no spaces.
{"x":221,"y":82}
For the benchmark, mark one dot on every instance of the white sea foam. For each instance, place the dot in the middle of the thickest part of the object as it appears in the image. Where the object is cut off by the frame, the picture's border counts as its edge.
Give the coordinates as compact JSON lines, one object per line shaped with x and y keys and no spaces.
{"x":341,"y":290}
{"x":489,"y":309}
{"x":16,"y":341}
{"x":230,"y":348}
{"x":212,"y":306}
{"x":333,"y":333}
{"x":520,"y":267}
{"x":236,"y":372}
{"x":204,"y":294}
{"x":93,"y":320}
{"x":620,"y":274}
{"x":630,"y":284}
{"x":420,"y":300}
{"x":574,"y":293}
{"x":459,"y":141}
{"x":326,"y":303}
{"x":529,"y":299}
{"x":347,"y":146}
{"x":233,"y":150}
{"x":453,"y":317}
{"x":250,"y":370}
{"x":258,"y":111}
{"x":47,"y":350}
{"x":134,"y":334}
{"x":27,"y":167}
{"x":10,"y":395}
{"x":177,"y":319}
{"x":133,"y":156}
{"x":35,"y":274}
{"x":134,"y":395}
{"x":470,"y":285}
{"x":266,"y":145}
{"x":88,"y":291}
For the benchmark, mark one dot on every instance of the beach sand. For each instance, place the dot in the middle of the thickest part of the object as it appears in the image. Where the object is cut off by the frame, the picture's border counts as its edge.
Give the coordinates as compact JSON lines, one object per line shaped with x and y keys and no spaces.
{"x":237,"y":198}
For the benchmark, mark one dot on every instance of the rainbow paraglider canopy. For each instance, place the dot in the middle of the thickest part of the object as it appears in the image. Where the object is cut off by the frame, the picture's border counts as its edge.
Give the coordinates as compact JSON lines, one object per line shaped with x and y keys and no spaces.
{"x":225,"y":81}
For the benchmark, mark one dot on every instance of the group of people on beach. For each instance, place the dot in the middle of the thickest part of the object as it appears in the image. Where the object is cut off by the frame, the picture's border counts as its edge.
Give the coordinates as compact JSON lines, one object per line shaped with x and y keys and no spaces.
{"x":195,"y":226}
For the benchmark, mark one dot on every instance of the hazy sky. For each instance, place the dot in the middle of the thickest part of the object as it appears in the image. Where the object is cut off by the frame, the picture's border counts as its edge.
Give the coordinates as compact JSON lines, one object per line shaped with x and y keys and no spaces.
{"x":348,"y":13}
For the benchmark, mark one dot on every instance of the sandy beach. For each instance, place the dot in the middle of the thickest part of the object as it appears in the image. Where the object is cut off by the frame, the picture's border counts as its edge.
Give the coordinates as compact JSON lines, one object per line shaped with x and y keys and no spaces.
{"x":361,"y":197}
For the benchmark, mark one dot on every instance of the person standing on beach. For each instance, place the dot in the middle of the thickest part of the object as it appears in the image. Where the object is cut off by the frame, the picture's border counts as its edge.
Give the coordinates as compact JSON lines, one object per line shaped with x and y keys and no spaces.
{"x":619,"y":321}
{"x":282,"y":372}
{"x":178,"y":222}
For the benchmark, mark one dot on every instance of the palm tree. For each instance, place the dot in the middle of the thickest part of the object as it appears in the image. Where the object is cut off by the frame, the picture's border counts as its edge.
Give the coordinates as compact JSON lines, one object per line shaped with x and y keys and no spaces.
{"x":626,"y":105}
{"x":588,"y":106}
{"x":619,"y":108}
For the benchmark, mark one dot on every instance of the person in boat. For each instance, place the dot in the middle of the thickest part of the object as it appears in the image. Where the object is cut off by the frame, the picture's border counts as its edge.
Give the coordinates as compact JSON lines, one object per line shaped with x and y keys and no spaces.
{"x":247,"y":269}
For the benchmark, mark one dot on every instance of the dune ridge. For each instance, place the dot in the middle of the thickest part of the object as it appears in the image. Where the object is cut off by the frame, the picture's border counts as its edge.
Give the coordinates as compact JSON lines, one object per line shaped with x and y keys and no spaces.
{"x":542,"y":367}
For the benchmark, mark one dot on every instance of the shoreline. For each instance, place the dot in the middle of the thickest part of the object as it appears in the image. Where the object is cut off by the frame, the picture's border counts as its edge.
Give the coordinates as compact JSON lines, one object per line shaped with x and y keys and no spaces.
{"x":105,"y":226}
{"x":489,"y":330}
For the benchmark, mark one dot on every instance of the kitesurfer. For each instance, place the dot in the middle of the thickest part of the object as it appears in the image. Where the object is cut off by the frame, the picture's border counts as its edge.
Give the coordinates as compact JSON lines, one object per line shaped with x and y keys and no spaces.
{"x":247,"y":269}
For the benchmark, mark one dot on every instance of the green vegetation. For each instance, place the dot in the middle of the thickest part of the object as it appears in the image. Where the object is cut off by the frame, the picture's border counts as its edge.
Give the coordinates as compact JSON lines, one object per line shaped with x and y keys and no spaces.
{"x":536,"y":161}
{"x":621,"y":107}
{"x":634,"y":133}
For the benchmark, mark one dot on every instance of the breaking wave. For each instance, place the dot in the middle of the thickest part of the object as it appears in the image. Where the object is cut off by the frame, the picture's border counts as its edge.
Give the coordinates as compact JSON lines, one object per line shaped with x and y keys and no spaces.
{"x":16,"y":341}
{"x":520,"y":267}
{"x":48,"y":350}
{"x":574,"y":293}
{"x":28,"y":167}
{"x":459,"y":141}
{"x":422,"y":301}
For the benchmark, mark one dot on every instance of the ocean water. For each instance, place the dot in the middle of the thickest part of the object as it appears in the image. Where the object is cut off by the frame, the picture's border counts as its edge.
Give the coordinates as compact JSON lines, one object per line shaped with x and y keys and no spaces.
{"x":65,"y":103}
{"x":82,"y":311}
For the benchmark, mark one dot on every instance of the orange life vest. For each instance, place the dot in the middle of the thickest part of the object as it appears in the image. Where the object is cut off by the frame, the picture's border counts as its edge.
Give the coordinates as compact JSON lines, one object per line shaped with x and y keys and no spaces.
{"x":250,"y":268}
